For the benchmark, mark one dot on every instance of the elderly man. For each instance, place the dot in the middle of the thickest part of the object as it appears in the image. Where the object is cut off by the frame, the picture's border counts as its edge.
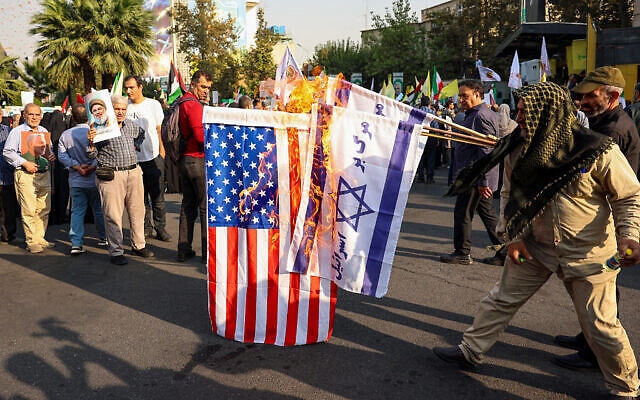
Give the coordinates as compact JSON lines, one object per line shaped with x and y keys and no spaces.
{"x":601,"y":90}
{"x":562,"y":182}
{"x":32,"y":180}
{"x":8,"y":200}
{"x":119,"y":181}
{"x":72,"y":153}
{"x":98,"y":109}
{"x":480,"y":118}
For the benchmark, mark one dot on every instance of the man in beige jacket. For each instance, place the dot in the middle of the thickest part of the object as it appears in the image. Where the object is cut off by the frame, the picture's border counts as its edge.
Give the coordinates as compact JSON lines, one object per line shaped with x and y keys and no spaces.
{"x":562,"y":183}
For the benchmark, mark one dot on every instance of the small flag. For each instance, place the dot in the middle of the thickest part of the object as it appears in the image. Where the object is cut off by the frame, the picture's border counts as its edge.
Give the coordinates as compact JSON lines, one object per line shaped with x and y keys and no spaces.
{"x":118,"y":83}
{"x":437,"y":84}
{"x":390,"y":91}
{"x":449,"y":91}
{"x":65,"y":103}
{"x":515,"y":80}
{"x":372,"y":82}
{"x":79,"y":99}
{"x":426,"y":89}
{"x":286,"y":74}
{"x":174,"y":85}
{"x":545,"y":71}
{"x":488,"y":75}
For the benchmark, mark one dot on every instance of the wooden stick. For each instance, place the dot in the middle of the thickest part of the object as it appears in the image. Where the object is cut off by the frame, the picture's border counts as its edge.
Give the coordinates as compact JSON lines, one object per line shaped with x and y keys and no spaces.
{"x":460,"y":135}
{"x":462,"y":128}
{"x":455,"y":139}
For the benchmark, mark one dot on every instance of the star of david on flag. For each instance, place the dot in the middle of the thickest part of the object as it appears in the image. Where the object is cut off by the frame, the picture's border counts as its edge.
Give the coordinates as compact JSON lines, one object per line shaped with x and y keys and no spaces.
{"x":253,"y":189}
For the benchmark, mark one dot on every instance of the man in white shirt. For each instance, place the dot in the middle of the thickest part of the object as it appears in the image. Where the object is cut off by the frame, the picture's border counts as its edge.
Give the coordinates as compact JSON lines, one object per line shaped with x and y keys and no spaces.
{"x":32,"y":178}
{"x":148,"y":115}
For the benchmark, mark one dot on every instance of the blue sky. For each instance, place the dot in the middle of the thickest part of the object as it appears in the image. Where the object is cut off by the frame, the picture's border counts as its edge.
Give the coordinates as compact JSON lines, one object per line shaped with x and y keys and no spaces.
{"x":308,"y":22}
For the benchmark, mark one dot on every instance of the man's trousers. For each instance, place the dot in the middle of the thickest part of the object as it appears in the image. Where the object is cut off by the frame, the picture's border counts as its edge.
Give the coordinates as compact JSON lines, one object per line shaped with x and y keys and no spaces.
{"x":124,"y":191}
{"x":594,"y":299}
{"x":34,"y":196}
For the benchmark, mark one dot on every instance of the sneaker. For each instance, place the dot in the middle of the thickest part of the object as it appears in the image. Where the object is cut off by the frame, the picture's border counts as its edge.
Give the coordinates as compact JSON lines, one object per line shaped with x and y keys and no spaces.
{"x":77,"y":250}
{"x":35,"y":249}
{"x":144,"y":252}
{"x":163,"y":235}
{"x":103,"y":242}
{"x":184,"y":256}
{"x":456,"y":258}
{"x":119,"y":260}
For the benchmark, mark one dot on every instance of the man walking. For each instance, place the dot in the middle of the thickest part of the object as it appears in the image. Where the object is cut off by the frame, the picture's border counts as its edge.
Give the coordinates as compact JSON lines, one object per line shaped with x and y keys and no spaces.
{"x":563,"y":183}
{"x":191,"y":166}
{"x":8,"y":200}
{"x":32,"y":180}
{"x":148,"y":114}
{"x":478,"y":198}
{"x":72,"y":153}
{"x":601,"y":90}
{"x":119,"y":181}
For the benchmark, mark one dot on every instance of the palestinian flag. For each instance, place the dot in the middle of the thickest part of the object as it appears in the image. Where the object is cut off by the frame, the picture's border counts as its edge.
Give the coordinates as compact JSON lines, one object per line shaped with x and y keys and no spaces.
{"x":175,"y":87}
{"x":118,"y":83}
{"x":413,"y":96}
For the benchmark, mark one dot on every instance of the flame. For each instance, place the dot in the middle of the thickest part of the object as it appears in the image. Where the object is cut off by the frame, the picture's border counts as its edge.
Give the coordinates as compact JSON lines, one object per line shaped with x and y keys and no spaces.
{"x":306,"y":93}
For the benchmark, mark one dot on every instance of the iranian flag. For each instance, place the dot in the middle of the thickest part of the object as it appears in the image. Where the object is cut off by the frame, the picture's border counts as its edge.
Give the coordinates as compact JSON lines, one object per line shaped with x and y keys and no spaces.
{"x":176,"y":87}
{"x":437,"y":84}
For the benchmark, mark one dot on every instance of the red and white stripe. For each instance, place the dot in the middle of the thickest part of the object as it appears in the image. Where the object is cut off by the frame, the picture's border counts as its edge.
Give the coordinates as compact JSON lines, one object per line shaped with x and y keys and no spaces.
{"x":251,"y":296}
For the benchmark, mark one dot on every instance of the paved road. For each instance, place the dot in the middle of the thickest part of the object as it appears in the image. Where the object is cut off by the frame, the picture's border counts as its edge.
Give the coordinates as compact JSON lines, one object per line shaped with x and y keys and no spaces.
{"x":81,"y":328}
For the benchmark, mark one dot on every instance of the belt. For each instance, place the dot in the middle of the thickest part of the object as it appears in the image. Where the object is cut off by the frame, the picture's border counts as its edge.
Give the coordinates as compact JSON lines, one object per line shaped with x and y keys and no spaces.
{"x":127,"y":168}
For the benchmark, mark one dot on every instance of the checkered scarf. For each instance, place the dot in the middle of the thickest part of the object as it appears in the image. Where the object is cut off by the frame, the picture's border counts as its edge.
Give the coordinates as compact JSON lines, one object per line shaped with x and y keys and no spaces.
{"x":555,"y":150}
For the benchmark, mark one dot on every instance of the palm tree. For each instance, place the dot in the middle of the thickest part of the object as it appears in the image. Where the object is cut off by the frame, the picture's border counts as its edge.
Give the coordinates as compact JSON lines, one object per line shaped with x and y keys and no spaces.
{"x":36,"y":76}
{"x":10,"y":85}
{"x":93,"y":39}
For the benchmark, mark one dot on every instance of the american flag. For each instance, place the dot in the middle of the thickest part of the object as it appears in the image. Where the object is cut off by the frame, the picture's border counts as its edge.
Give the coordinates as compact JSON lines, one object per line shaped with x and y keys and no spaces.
{"x":253,"y":182}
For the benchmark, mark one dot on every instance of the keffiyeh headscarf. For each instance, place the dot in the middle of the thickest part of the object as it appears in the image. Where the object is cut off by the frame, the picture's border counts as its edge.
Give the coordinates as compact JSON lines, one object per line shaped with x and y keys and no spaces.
{"x":555,"y":150}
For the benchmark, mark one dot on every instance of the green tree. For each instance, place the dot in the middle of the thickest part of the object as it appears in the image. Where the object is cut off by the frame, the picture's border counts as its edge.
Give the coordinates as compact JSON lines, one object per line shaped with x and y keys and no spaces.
{"x":92,"y":40}
{"x":209,"y":42}
{"x":10,"y":85}
{"x":36,"y":76}
{"x":257,"y":63}
{"x":339,"y":56}
{"x":605,"y":13}
{"x":397,"y":44}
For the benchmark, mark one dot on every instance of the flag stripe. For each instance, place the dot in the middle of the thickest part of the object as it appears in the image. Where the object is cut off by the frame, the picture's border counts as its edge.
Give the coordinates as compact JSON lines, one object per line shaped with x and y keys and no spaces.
{"x":211,"y":272}
{"x":262,"y":282}
{"x":314,"y":310}
{"x":252,"y":286}
{"x":386,"y":212}
{"x":272,"y":295}
{"x":221,"y":279}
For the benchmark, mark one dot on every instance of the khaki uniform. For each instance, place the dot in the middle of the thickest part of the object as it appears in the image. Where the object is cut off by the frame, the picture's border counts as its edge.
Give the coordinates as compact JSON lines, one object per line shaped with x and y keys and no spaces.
{"x":573,"y":237}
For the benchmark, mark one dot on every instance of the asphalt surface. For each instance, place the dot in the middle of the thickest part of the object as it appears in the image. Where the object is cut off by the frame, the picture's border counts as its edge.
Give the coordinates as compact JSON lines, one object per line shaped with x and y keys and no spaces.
{"x":81,"y":328}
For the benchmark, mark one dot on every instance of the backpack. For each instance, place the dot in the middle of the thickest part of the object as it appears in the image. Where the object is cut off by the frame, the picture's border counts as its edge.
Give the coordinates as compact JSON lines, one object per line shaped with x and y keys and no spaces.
{"x":174,"y":143}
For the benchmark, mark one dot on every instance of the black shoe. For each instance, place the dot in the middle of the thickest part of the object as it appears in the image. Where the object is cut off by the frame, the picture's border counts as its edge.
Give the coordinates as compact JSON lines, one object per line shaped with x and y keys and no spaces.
{"x":148,"y":234}
{"x":163,"y":235}
{"x":453,"y":355}
{"x":431,"y":180}
{"x":144,"y":252}
{"x":119,"y":260}
{"x":420,"y":179}
{"x":570,"y":342}
{"x":575,"y":362}
{"x":495,"y":260}
{"x":184,"y":256}
{"x":455,"y":258}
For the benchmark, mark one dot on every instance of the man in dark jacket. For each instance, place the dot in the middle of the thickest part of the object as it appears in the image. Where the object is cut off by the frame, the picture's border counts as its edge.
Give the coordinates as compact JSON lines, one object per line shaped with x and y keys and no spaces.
{"x":601,"y":91}
{"x":634,"y":109}
{"x":481,"y":119}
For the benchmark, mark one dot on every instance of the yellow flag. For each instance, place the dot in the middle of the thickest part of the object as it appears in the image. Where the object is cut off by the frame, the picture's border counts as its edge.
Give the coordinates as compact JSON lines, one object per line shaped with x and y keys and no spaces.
{"x":591,"y":45}
{"x":450,"y":90}
{"x":426,"y":86}
{"x":390,"y":90}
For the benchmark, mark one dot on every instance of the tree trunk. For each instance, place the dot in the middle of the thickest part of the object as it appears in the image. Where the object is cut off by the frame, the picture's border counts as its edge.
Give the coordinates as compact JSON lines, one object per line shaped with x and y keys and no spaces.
{"x":88,"y":76}
{"x":107,"y":80}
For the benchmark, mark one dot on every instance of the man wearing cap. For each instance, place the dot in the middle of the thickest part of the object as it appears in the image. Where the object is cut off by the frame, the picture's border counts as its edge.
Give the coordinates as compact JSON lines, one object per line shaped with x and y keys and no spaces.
{"x":601,"y":90}
{"x":98,"y":109}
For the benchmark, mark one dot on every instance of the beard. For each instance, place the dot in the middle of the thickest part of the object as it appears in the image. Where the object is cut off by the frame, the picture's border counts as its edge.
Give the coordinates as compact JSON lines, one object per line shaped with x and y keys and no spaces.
{"x":596,"y":110}
{"x":100,"y":121}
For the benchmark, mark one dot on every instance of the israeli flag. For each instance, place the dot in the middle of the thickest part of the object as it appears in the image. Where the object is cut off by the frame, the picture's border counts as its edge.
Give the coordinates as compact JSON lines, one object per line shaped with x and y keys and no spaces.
{"x":360,"y":167}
